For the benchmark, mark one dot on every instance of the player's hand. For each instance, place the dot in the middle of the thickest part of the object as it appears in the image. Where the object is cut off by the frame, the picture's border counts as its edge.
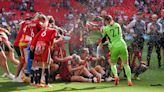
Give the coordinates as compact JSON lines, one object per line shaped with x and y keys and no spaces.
{"x":102,"y":58}
{"x":31,"y":48}
{"x":8,"y":33}
{"x":134,"y":35}
{"x":87,"y":58}
{"x":101,"y":45}
{"x":81,"y":39}
{"x":69,"y":57}
{"x":81,"y":67}
{"x":61,"y":37}
{"x":11,"y":49}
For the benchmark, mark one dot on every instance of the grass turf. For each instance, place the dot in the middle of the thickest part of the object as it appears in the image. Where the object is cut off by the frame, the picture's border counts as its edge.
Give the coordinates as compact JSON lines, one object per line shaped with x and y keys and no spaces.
{"x":153,"y":76}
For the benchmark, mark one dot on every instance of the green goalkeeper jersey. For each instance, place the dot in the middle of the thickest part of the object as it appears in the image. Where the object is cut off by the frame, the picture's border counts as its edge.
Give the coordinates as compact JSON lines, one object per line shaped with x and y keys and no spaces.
{"x":117,"y":45}
{"x":114,"y":33}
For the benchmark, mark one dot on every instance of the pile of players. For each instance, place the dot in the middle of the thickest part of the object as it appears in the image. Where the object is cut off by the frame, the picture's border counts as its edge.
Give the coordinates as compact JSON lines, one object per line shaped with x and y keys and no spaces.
{"x":40,"y":46}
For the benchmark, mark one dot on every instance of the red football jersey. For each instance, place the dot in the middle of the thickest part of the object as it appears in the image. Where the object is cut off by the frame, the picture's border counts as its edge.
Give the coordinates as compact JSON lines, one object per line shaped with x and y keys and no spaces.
{"x":64,"y":72}
{"x":18,"y":37}
{"x":33,"y":28}
{"x":46,"y":36}
{"x":58,"y":52}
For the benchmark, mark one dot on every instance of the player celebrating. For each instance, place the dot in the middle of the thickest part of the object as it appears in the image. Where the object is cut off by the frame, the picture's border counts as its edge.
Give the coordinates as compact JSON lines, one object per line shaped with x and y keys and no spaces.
{"x":118,"y":48}
{"x":42,"y":44}
{"x":30,"y":29}
{"x":17,"y":48}
{"x":91,"y":64}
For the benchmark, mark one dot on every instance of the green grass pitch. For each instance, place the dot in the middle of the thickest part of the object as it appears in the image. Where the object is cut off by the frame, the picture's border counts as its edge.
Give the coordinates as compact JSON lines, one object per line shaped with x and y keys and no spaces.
{"x":152,"y":76}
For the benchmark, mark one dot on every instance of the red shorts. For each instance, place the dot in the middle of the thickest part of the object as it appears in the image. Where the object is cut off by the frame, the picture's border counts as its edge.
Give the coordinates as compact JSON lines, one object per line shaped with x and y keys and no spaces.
{"x":42,"y":52}
{"x":65,"y":76}
{"x":64,"y":73}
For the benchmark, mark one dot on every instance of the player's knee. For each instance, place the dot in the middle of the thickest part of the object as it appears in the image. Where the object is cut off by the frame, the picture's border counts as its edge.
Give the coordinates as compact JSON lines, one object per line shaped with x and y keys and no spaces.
{"x":98,"y":67}
{"x":4,"y":59}
{"x":125,"y":62}
{"x":113,"y":61}
{"x":80,"y":78}
{"x":92,"y":69}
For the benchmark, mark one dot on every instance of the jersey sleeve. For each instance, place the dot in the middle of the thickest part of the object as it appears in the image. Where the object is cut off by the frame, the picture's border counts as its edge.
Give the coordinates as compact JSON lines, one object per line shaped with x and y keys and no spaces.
{"x":69,"y":62}
{"x":104,"y":32}
{"x":148,"y":28}
{"x":53,"y":35}
{"x":131,"y":24}
{"x":20,"y":32}
{"x":160,"y":30}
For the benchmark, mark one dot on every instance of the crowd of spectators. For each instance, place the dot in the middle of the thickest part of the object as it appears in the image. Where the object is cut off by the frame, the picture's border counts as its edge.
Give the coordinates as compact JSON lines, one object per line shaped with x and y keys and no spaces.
{"x":22,"y":5}
{"x":149,"y":6}
{"x":92,"y":7}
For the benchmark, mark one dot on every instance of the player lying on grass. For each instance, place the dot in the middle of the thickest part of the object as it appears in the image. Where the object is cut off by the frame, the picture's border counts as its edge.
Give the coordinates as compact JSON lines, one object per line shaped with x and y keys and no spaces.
{"x":103,"y":50}
{"x":137,"y":69}
{"x":69,"y":68}
{"x":58,"y":54}
{"x":118,"y":48}
{"x":91,"y":64}
{"x":72,"y":70}
{"x":134,"y":53}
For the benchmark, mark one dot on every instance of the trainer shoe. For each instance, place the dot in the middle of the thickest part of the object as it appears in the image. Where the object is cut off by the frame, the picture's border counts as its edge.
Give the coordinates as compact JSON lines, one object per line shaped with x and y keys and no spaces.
{"x":94,"y":80}
{"x":99,"y":78}
{"x":136,"y":78}
{"x":4,"y":75}
{"x":47,"y":86}
{"x":130,"y":83}
{"x":116,"y":81}
{"x":11,"y":76}
{"x":17,"y":80}
{"x":37,"y":85}
{"x":109,"y":79}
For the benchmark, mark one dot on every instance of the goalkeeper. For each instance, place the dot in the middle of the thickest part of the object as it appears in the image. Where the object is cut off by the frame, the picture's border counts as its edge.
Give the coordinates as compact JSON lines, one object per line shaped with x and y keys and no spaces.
{"x":118,"y":48}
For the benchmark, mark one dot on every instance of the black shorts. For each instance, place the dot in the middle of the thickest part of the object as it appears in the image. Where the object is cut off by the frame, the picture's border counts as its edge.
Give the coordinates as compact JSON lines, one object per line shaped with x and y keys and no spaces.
{"x":6,"y":48}
{"x":32,"y":54}
{"x":17,"y":49}
{"x":162,"y":42}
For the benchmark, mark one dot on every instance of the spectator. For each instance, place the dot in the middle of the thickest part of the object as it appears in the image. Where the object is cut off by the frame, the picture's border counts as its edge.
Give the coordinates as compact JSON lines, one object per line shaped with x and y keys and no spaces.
{"x":154,"y":30}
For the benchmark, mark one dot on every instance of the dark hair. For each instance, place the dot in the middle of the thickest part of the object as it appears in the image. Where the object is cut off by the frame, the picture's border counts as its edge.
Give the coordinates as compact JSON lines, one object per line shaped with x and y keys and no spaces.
{"x":29,"y":18}
{"x":51,"y":20}
{"x":108,"y":18}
